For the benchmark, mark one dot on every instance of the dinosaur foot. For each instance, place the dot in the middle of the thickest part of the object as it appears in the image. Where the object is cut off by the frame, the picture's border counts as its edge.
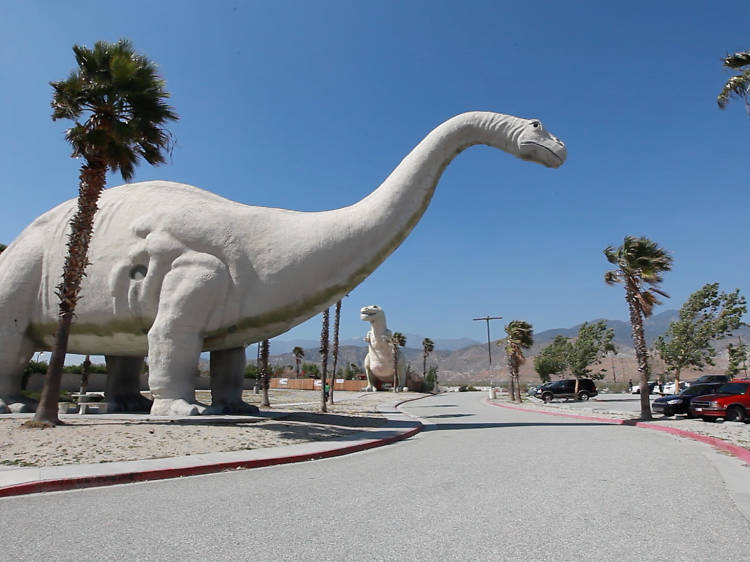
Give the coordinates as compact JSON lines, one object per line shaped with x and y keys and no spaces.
{"x":370,"y":388}
{"x":17,"y":404}
{"x":231,"y":408}
{"x":136,"y":403}
{"x":176,"y":407}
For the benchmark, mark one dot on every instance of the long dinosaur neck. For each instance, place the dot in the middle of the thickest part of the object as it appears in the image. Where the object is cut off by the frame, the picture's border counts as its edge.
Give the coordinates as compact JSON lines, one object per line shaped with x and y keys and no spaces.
{"x":362,"y":235}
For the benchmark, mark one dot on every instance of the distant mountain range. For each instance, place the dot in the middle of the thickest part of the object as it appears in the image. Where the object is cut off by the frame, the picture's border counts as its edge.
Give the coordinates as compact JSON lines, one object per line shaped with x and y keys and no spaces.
{"x":466,"y":360}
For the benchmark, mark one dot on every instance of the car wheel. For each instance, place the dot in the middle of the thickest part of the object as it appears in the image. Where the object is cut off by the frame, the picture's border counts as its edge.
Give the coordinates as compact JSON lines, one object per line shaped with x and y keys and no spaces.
{"x":689,"y":414}
{"x":736,"y":413}
{"x":637,"y":391}
{"x":668,"y":412}
{"x":583,"y":395}
{"x":707,"y":418}
{"x":547,"y":397}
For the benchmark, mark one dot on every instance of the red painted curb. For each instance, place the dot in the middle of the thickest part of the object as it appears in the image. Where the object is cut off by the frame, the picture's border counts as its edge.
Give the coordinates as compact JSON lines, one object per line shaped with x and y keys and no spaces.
{"x":161,"y":474}
{"x":739,"y":452}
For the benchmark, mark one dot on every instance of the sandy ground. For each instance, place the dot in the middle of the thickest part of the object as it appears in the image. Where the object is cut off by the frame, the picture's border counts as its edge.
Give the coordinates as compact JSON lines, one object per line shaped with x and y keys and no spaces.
{"x":101,"y":438}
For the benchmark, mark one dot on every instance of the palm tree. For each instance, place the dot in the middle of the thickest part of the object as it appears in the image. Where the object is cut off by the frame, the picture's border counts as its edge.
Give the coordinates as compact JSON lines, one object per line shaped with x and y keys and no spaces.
{"x":265,"y":373}
{"x":122,"y":98}
{"x":739,"y":84}
{"x":299,"y":354}
{"x":324,"y":358}
{"x":520,"y":336}
{"x":336,"y":322}
{"x":640,"y":264}
{"x":428,"y":346}
{"x":397,"y":340}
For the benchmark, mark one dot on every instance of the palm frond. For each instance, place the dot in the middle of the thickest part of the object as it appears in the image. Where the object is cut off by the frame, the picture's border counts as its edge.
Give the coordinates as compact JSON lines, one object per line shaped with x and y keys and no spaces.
{"x":737,"y":60}
{"x":738,"y":86}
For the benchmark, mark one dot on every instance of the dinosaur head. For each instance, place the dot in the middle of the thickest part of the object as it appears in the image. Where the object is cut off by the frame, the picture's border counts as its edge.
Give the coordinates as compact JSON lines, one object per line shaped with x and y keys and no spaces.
{"x":371,"y":312}
{"x":538,"y":145}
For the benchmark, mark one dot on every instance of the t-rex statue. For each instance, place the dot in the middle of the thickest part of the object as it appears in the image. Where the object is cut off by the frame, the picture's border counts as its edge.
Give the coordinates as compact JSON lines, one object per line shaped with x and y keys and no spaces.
{"x":379,"y":358}
{"x":176,"y":270}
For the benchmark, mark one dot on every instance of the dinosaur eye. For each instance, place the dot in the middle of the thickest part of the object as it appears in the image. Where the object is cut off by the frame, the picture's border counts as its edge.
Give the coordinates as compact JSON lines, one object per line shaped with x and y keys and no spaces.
{"x":536,"y":124}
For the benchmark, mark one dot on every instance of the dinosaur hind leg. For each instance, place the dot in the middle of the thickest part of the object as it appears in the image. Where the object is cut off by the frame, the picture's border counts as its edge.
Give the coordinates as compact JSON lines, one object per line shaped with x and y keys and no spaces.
{"x":19,"y":282}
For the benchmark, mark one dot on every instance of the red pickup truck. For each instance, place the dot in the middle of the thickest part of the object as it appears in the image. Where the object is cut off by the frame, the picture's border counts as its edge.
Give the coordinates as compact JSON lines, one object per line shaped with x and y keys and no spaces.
{"x":731,"y":402}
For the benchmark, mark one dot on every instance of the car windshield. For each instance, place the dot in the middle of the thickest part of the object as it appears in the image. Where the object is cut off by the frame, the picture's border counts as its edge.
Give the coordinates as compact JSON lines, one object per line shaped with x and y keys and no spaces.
{"x":697,"y":390}
{"x":733,"y":388}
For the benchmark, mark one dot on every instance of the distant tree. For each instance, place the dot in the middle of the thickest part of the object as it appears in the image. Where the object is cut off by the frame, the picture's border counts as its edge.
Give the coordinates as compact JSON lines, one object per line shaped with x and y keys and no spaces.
{"x":122,"y":97}
{"x":251,"y":371}
{"x":311,"y":370}
{"x":2,"y":248}
{"x":739,"y":84}
{"x":350,"y":371}
{"x":640,"y":264}
{"x":519,"y":337}
{"x":552,"y":359}
{"x":336,"y":323}
{"x":265,"y":373}
{"x":737,"y":359}
{"x":431,"y":380}
{"x":299,"y":354}
{"x":428,"y":346}
{"x":591,"y":345}
{"x":706,"y":316}
{"x":397,"y":340}
{"x":324,"y":335}
{"x":85,"y":367}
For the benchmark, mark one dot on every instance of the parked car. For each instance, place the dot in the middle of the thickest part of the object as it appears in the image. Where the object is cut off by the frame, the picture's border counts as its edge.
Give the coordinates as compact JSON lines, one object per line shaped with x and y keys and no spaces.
{"x":636,"y":389}
{"x":711,"y":378}
{"x":680,"y":403}
{"x":669,"y":387}
{"x":566,"y":389}
{"x":731,"y":402}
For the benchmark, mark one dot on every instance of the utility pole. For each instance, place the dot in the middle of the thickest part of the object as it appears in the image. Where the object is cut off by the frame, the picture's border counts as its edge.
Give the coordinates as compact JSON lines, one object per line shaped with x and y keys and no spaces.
{"x":489,"y":347}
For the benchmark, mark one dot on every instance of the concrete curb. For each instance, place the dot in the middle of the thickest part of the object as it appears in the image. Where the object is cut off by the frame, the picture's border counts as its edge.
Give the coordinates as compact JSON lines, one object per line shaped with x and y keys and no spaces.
{"x":130,"y":476}
{"x":739,"y":452}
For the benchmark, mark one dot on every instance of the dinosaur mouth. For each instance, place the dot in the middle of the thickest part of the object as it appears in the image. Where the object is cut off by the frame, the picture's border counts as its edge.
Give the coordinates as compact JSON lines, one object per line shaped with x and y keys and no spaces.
{"x":557,"y":157}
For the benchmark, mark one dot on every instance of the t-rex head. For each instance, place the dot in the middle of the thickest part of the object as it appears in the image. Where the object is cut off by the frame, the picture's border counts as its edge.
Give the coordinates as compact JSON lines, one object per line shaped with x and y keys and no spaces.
{"x":538,"y":145}
{"x":371,"y":312}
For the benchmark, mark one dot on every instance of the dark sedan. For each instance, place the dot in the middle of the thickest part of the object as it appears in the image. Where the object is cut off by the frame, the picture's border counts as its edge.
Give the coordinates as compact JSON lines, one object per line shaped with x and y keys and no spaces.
{"x":680,"y":403}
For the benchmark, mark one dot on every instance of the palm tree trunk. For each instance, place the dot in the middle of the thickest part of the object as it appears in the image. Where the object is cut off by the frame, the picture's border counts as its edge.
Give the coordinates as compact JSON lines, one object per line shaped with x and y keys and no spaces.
{"x":641,"y":351}
{"x":92,"y":179}
{"x":336,"y":321}
{"x":324,"y":359}
{"x":264,"y":374}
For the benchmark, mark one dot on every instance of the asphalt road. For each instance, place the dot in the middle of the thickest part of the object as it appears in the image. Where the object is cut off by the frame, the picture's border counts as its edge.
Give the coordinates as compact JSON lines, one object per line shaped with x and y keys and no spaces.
{"x":481,"y":483}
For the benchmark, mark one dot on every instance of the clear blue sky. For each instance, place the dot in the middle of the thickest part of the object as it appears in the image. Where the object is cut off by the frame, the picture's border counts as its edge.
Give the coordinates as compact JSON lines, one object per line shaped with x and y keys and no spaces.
{"x":309,"y":106}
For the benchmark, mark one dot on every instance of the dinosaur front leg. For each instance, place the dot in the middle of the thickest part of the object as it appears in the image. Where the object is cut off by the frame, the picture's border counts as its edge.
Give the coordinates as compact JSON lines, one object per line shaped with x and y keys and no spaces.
{"x":190,"y":293}
{"x":123,"y":390}
{"x":227,"y":371}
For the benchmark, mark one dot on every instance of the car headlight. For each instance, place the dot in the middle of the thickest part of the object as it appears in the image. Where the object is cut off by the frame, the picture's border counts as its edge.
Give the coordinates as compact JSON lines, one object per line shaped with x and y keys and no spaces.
{"x":713,"y":404}
{"x":675,"y":401}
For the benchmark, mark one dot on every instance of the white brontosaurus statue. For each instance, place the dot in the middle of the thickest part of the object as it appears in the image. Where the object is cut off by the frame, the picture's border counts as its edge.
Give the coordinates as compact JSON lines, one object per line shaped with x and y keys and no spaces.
{"x":176,"y":270}
{"x":379,"y":358}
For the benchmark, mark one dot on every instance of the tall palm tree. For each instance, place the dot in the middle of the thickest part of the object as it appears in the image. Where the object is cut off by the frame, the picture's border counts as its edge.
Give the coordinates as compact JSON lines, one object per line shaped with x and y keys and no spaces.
{"x":336,"y":322}
{"x":121,"y":101}
{"x":520,"y":336}
{"x":640,"y":264}
{"x":265,"y":373}
{"x":299,"y":354}
{"x":324,"y":332}
{"x":739,"y":84}
{"x":397,"y":340}
{"x":428,"y":346}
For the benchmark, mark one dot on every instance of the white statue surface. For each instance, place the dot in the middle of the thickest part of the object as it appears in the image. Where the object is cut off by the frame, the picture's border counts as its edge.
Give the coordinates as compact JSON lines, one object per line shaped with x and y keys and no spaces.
{"x":379,"y":358}
{"x":176,"y":270}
